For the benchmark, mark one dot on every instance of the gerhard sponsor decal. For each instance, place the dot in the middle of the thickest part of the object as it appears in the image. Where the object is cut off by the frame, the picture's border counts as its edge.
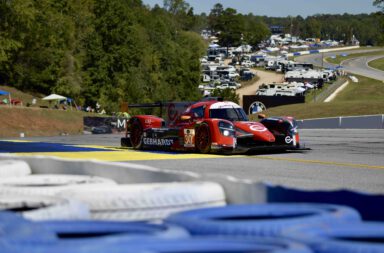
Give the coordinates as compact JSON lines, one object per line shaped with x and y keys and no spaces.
{"x":157,"y":142}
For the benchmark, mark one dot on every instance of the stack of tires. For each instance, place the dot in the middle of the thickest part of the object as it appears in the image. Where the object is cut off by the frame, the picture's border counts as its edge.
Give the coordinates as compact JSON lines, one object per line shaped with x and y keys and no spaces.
{"x":79,"y":213}
{"x":323,"y":228}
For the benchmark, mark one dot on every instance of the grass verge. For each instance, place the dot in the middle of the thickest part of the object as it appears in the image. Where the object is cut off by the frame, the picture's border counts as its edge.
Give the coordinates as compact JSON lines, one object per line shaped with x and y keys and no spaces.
{"x":377,"y":64}
{"x":338,"y":58}
{"x":39,"y":122}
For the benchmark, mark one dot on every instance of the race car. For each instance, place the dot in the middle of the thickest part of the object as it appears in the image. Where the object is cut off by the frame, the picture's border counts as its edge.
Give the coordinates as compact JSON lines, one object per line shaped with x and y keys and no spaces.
{"x":212,"y":127}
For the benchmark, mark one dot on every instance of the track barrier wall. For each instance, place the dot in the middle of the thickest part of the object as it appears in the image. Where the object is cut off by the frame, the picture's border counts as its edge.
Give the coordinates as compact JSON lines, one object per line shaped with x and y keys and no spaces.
{"x":351,"y":122}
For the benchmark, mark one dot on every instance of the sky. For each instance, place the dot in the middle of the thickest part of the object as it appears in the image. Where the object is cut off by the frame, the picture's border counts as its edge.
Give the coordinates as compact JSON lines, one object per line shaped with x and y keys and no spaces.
{"x":281,"y":8}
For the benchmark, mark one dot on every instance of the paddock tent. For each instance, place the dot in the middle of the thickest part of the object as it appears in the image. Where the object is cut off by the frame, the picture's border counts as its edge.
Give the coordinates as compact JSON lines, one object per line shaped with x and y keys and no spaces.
{"x":3,"y":92}
{"x":54,"y":97}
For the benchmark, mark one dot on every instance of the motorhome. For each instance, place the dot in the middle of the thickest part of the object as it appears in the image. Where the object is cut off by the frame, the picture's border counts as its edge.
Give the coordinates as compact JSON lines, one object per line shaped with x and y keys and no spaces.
{"x":281,"y":89}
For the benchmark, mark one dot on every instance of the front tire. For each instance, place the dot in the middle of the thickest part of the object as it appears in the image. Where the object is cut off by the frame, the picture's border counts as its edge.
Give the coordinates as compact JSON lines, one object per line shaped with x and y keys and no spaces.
{"x":203,"y":139}
{"x":136,"y":134}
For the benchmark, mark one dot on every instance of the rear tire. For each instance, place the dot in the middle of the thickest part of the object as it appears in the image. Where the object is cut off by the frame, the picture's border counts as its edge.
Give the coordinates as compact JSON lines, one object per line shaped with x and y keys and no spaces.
{"x":136,"y":134}
{"x":203,"y":139}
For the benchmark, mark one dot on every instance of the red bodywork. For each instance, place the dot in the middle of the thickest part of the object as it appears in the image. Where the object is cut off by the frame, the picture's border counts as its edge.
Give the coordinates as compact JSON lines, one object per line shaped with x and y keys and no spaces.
{"x":211,"y":126}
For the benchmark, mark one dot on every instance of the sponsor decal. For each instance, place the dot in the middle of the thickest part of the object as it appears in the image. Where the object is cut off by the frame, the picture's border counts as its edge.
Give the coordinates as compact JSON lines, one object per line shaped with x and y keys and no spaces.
{"x":121,"y":123}
{"x":157,"y":142}
{"x":189,"y":137}
{"x":256,"y":107}
{"x":172,"y":112}
{"x":288,"y":139}
{"x":258,"y":128}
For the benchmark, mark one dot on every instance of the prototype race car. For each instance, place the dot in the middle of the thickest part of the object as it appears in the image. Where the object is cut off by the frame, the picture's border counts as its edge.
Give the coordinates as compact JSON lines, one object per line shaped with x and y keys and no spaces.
{"x":212,"y":127}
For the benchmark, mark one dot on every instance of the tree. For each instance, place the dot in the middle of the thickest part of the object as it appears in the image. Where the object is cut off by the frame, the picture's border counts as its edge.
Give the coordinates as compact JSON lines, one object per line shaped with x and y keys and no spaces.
{"x":379,"y":4}
{"x":176,"y":6}
{"x":227,"y":95}
{"x":255,"y":30}
{"x":214,"y":17}
{"x":232,"y":27}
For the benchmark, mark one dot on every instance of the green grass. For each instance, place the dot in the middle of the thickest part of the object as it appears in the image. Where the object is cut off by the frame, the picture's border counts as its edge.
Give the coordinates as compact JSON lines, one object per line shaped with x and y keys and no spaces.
{"x":362,"y":98}
{"x":377,"y":64}
{"x":338,"y":59}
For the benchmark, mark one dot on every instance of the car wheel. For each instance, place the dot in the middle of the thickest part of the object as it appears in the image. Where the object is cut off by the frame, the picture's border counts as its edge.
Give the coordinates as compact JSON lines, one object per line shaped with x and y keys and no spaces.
{"x":136,"y":134}
{"x":203,"y":139}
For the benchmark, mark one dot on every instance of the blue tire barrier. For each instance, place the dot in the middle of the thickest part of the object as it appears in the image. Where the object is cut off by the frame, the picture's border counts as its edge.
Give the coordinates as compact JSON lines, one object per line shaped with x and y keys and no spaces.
{"x":14,"y":228}
{"x":364,"y":237}
{"x":96,"y":229}
{"x":8,"y":216}
{"x":260,"y":219}
{"x":187,"y":245}
{"x":314,"y":51}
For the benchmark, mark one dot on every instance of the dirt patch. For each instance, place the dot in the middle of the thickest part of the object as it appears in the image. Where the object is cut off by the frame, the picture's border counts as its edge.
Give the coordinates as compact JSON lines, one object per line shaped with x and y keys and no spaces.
{"x":39,"y":122}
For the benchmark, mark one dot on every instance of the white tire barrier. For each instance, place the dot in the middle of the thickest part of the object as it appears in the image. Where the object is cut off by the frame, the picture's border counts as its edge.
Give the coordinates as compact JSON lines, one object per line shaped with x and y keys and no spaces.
{"x":49,"y":184}
{"x":14,"y":168}
{"x":147,"y":201}
{"x":34,"y":207}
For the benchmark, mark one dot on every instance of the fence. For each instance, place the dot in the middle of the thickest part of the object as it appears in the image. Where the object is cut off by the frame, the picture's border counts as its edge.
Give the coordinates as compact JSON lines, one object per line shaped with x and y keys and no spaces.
{"x":351,"y":122}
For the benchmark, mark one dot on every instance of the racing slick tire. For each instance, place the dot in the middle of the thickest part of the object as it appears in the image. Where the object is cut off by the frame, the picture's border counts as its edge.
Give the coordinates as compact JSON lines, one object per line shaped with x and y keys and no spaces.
{"x":48,"y":184}
{"x":14,"y":168}
{"x":203,"y":244}
{"x":260,"y":219}
{"x":358,"y":237}
{"x":136,"y":135}
{"x":137,"y":202}
{"x":85,"y":229}
{"x":203,"y":139}
{"x":34,"y":207}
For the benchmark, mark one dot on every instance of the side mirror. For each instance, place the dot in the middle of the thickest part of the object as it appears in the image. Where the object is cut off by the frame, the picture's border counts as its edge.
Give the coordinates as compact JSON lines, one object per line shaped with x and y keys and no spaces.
{"x":261,"y":116}
{"x":185,"y":117}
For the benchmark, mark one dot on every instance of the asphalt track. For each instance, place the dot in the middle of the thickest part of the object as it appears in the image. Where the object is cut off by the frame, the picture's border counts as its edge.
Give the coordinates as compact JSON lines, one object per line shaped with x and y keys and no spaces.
{"x":339,"y":159}
{"x":358,"y":65}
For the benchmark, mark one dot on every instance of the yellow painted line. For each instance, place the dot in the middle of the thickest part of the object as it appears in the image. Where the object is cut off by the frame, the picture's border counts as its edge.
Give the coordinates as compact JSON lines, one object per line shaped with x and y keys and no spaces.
{"x":124,"y":155}
{"x":94,"y":146}
{"x":352,"y":165}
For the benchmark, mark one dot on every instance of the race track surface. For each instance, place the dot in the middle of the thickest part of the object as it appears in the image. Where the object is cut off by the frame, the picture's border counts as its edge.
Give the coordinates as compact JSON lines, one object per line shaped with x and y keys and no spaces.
{"x":357,"y":65}
{"x":347,"y":159}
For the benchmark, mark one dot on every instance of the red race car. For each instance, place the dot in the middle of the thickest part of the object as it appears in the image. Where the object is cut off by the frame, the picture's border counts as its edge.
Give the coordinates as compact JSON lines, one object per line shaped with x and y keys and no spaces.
{"x":212,"y":127}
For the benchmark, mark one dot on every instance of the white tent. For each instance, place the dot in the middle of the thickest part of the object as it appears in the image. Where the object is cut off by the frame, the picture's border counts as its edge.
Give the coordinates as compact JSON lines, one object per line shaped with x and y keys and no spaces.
{"x":54,"y":97}
{"x":214,"y":46}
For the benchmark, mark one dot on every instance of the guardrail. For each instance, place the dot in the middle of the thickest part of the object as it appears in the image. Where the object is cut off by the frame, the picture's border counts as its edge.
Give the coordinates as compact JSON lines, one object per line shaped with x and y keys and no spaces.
{"x":350,"y":122}
{"x":321,"y":51}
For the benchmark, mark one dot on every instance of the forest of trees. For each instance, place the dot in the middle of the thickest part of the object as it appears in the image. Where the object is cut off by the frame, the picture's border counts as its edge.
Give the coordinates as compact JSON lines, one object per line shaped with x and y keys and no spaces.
{"x":112,"y":51}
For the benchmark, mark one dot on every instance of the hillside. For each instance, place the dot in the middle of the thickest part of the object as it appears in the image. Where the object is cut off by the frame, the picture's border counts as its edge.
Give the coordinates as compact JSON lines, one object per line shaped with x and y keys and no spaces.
{"x":362,"y":98}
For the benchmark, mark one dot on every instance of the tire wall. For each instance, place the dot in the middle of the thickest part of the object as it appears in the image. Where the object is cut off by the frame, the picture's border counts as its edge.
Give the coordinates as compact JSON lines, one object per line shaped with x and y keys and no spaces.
{"x":367,"y":204}
{"x":120,"y":172}
{"x":237,"y":191}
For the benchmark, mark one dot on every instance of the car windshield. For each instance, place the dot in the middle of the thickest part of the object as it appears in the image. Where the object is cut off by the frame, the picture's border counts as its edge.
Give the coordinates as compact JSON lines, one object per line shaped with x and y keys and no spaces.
{"x":231,"y":114}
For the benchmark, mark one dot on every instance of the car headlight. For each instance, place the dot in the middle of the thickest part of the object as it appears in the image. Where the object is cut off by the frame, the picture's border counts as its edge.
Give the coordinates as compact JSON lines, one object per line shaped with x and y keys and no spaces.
{"x":226,"y":128}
